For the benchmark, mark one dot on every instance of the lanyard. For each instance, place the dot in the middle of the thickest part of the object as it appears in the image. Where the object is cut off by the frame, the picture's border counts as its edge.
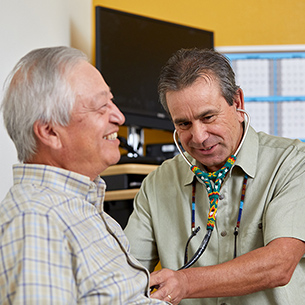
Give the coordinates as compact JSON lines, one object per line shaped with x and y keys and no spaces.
{"x":213,"y":183}
{"x":241,"y":206}
{"x":236,"y":230}
{"x":213,"y":193}
{"x":213,"y":190}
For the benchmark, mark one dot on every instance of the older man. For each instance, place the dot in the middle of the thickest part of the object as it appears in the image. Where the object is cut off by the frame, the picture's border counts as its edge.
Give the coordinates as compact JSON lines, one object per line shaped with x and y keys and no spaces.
{"x":57,"y":245}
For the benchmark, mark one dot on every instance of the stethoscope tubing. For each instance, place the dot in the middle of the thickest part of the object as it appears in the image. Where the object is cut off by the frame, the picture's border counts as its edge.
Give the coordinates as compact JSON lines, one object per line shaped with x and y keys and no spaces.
{"x":199,"y":252}
{"x":207,"y":236}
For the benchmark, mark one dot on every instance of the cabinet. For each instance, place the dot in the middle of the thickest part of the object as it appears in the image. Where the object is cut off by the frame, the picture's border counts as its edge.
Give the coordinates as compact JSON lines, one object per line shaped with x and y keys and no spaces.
{"x":123,"y":182}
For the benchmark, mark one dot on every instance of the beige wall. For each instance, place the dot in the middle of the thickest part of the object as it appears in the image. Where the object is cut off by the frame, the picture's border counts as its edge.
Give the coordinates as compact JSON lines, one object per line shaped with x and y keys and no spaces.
{"x":26,"y":25}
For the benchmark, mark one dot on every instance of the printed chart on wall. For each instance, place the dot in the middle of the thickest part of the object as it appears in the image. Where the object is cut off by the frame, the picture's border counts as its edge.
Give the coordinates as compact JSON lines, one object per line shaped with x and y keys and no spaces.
{"x":274,"y":89}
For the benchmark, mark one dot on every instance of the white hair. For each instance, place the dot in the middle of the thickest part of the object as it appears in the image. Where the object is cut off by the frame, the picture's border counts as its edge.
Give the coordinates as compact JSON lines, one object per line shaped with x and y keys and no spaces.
{"x":37,"y":89}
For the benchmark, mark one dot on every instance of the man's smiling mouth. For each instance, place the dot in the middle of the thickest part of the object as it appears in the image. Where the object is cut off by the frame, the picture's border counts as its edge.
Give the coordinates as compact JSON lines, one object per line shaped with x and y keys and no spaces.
{"x":209,"y":148}
{"x":111,"y":136}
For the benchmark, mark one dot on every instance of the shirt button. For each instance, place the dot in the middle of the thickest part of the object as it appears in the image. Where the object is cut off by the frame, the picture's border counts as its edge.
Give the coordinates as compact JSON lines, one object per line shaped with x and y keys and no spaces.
{"x":223,"y":233}
{"x":221,"y":197}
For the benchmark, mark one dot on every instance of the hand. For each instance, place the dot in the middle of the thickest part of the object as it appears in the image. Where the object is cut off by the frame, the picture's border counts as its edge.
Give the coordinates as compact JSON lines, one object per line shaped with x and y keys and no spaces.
{"x":172,"y":286}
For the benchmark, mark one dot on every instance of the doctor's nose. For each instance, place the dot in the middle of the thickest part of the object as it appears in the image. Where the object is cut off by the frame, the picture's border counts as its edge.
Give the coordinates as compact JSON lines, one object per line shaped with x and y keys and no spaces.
{"x":199,"y":133}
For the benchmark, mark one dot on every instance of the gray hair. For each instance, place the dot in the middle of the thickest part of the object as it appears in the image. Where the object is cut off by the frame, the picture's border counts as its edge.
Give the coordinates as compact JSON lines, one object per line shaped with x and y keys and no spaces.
{"x":186,"y":65}
{"x":37,"y":89}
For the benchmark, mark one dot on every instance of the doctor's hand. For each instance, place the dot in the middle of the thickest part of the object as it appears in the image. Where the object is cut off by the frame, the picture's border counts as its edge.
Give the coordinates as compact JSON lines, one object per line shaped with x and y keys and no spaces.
{"x":171,"y":286}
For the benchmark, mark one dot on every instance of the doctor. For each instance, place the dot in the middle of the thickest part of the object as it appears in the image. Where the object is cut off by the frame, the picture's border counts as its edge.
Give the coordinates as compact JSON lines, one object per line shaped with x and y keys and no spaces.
{"x":228,"y":214}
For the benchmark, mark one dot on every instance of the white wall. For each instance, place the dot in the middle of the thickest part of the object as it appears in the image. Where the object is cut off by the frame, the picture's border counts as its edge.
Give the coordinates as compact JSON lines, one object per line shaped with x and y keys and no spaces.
{"x":30,"y":24}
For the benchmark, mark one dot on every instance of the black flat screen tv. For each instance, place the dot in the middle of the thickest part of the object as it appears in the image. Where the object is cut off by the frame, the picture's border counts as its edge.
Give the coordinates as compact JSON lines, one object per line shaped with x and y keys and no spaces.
{"x":130,"y":51}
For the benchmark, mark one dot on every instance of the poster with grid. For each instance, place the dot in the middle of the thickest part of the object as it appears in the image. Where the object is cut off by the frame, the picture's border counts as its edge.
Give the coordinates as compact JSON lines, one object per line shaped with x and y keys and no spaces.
{"x":274,"y":90}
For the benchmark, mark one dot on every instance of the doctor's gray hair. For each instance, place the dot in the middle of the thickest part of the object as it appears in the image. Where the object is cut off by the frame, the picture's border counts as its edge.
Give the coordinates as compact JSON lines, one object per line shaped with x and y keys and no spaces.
{"x":186,"y":65}
{"x":37,"y":90}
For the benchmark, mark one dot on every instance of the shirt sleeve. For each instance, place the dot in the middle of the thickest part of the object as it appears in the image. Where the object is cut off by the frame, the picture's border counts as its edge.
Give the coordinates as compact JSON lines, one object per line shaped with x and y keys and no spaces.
{"x":139,"y":230}
{"x":36,"y":261}
{"x":284,"y":215}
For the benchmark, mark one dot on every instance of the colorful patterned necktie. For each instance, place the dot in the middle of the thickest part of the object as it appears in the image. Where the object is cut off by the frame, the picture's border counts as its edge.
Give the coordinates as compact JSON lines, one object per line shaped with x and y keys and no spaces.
{"x":213,"y":191}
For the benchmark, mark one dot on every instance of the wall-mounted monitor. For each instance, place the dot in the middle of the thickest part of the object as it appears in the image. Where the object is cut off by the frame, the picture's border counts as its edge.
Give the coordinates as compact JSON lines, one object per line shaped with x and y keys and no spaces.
{"x":130,"y":51}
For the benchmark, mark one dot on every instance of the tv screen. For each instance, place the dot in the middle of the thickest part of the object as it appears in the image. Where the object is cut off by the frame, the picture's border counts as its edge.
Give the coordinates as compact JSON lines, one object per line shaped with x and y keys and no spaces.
{"x":130,"y":51}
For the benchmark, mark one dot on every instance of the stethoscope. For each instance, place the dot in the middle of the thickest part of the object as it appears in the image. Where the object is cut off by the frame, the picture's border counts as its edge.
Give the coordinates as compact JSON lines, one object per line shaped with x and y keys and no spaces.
{"x":208,"y":234}
{"x":175,"y":136}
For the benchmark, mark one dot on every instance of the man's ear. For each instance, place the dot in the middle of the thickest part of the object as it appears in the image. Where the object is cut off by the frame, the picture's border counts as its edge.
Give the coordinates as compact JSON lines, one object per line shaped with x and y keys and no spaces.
{"x":239,"y":102}
{"x":47,"y":134}
{"x":239,"y":99}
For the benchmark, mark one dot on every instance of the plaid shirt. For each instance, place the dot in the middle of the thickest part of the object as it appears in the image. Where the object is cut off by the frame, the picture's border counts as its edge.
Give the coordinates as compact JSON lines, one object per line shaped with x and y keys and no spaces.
{"x":58,"y":246}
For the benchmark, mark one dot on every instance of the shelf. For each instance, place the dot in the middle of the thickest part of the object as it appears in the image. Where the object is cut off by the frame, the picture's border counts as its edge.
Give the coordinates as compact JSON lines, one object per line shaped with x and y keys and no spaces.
{"x":129,"y":168}
{"x":121,"y":194}
{"x":122,"y":169}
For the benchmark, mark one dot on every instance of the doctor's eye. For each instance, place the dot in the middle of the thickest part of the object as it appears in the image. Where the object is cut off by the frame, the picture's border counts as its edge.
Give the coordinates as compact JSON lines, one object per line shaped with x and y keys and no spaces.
{"x":183,"y":125}
{"x":209,"y":118}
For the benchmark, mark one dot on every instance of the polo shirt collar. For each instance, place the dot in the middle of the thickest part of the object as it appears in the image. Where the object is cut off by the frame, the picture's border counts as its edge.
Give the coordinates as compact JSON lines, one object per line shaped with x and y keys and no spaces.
{"x":248,"y":155}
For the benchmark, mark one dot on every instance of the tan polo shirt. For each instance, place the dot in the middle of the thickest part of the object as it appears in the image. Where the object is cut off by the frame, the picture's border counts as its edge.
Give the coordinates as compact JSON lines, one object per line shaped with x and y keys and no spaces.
{"x":274,"y":207}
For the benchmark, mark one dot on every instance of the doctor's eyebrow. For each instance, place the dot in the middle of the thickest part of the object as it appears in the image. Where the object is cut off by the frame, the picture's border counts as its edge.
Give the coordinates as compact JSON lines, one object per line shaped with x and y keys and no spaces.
{"x":203,"y":114}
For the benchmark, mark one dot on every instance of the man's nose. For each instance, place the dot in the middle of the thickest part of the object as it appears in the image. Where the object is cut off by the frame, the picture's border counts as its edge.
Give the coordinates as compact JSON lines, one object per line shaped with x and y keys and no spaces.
{"x":199,"y":133}
{"x":117,"y":116}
